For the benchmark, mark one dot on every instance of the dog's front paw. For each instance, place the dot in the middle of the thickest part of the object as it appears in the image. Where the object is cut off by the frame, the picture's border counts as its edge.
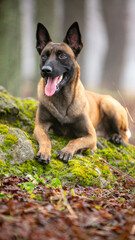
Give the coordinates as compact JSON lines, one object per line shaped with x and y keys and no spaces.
{"x":43,"y":158}
{"x":64,"y":155}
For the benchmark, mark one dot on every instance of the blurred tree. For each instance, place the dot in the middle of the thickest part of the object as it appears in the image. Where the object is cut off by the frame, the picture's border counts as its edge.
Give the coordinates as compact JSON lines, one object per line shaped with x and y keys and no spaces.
{"x":114,"y":13}
{"x":10,"y":45}
{"x":74,"y":10}
{"x":28,"y":59}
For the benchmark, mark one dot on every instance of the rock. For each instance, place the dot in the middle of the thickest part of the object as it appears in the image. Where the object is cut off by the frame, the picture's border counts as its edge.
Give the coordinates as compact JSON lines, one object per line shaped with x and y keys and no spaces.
{"x":7,"y":105}
{"x":15,"y":146}
{"x":2,"y":89}
{"x":17,"y":112}
{"x":16,"y":116}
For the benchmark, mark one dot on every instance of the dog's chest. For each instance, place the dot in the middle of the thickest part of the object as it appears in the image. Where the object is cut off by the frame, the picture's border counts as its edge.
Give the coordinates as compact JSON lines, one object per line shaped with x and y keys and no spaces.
{"x":61,"y":112}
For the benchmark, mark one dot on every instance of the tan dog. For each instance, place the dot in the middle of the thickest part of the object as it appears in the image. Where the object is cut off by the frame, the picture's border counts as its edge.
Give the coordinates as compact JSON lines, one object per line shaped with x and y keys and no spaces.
{"x":66,"y":106}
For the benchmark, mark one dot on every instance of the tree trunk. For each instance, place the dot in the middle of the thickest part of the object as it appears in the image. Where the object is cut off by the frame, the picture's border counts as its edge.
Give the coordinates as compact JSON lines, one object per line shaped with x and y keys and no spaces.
{"x":114,"y":13}
{"x":28,"y":59}
{"x":74,"y":11}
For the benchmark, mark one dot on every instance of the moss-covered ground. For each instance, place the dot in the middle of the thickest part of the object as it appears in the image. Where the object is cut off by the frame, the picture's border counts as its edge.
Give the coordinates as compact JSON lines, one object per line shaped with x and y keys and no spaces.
{"x":87,"y":169}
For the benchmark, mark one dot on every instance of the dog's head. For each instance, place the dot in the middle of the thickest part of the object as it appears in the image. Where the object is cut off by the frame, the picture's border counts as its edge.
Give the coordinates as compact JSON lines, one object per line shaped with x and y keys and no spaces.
{"x":58,"y":60}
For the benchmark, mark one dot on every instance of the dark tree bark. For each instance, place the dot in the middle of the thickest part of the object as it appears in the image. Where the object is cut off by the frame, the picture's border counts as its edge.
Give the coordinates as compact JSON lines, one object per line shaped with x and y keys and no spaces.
{"x":114,"y":13}
{"x":75,"y":11}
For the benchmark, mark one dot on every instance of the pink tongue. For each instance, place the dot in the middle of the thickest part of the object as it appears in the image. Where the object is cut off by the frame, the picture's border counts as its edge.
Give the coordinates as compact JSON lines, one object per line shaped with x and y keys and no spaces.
{"x":50,"y":87}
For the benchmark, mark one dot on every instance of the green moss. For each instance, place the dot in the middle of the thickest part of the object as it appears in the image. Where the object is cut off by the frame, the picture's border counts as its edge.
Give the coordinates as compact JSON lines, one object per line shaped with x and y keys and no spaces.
{"x":83,"y":169}
{"x":2,"y":163}
{"x":10,"y":157}
{"x":119,"y":157}
{"x":3,"y":148}
{"x":4,"y":129}
{"x":30,"y":106}
{"x":10,"y":140}
{"x":24,"y":115}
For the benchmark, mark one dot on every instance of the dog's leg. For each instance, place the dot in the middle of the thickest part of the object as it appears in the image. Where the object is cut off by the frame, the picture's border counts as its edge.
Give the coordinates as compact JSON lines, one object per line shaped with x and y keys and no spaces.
{"x":74,"y":145}
{"x":82,"y":143}
{"x":115,"y":120}
{"x":40,"y":132}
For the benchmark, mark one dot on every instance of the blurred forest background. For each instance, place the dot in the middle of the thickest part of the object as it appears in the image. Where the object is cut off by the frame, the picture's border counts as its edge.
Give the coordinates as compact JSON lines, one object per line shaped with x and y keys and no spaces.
{"x":107,"y":60}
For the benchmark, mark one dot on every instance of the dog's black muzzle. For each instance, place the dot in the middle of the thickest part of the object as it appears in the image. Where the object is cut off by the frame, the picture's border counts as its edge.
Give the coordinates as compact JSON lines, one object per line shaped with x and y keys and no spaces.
{"x":52,"y":69}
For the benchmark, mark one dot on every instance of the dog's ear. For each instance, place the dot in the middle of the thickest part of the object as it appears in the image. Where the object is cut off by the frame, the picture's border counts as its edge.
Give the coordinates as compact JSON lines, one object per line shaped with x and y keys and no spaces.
{"x":73,"y":38}
{"x":42,"y":37}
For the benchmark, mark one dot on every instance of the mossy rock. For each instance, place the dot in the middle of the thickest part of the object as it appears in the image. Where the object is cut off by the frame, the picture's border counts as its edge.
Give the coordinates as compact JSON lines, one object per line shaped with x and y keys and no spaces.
{"x":15,"y":146}
{"x":87,"y":169}
{"x":16,"y":112}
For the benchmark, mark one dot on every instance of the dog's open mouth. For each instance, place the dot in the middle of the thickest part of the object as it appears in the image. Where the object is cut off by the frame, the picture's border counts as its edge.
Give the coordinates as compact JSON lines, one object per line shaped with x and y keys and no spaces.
{"x":52,"y":85}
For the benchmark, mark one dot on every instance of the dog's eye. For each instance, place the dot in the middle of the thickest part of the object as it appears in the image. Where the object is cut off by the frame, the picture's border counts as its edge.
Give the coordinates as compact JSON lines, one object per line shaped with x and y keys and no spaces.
{"x":62,"y":56}
{"x":44,"y":57}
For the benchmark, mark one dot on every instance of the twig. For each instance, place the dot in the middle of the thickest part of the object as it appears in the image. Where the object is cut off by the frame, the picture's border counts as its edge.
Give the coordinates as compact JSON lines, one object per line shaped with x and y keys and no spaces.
{"x":126,"y":108}
{"x":118,"y":171}
{"x":71,"y":211}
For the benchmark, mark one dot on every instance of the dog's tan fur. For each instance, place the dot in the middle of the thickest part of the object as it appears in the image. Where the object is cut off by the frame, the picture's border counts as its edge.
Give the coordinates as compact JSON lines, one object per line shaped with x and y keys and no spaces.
{"x":78,"y":111}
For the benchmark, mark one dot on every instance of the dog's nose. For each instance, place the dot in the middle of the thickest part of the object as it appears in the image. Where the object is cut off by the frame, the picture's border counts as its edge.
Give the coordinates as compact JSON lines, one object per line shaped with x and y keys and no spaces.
{"x":47,"y":69}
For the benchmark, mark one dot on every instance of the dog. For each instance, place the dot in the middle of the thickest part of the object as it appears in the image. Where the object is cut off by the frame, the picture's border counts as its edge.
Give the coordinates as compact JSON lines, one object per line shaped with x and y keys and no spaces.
{"x":66,"y":106}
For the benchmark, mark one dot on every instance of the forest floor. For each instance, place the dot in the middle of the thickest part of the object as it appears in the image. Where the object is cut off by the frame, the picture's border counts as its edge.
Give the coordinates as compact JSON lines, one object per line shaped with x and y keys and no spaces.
{"x":69,"y":213}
